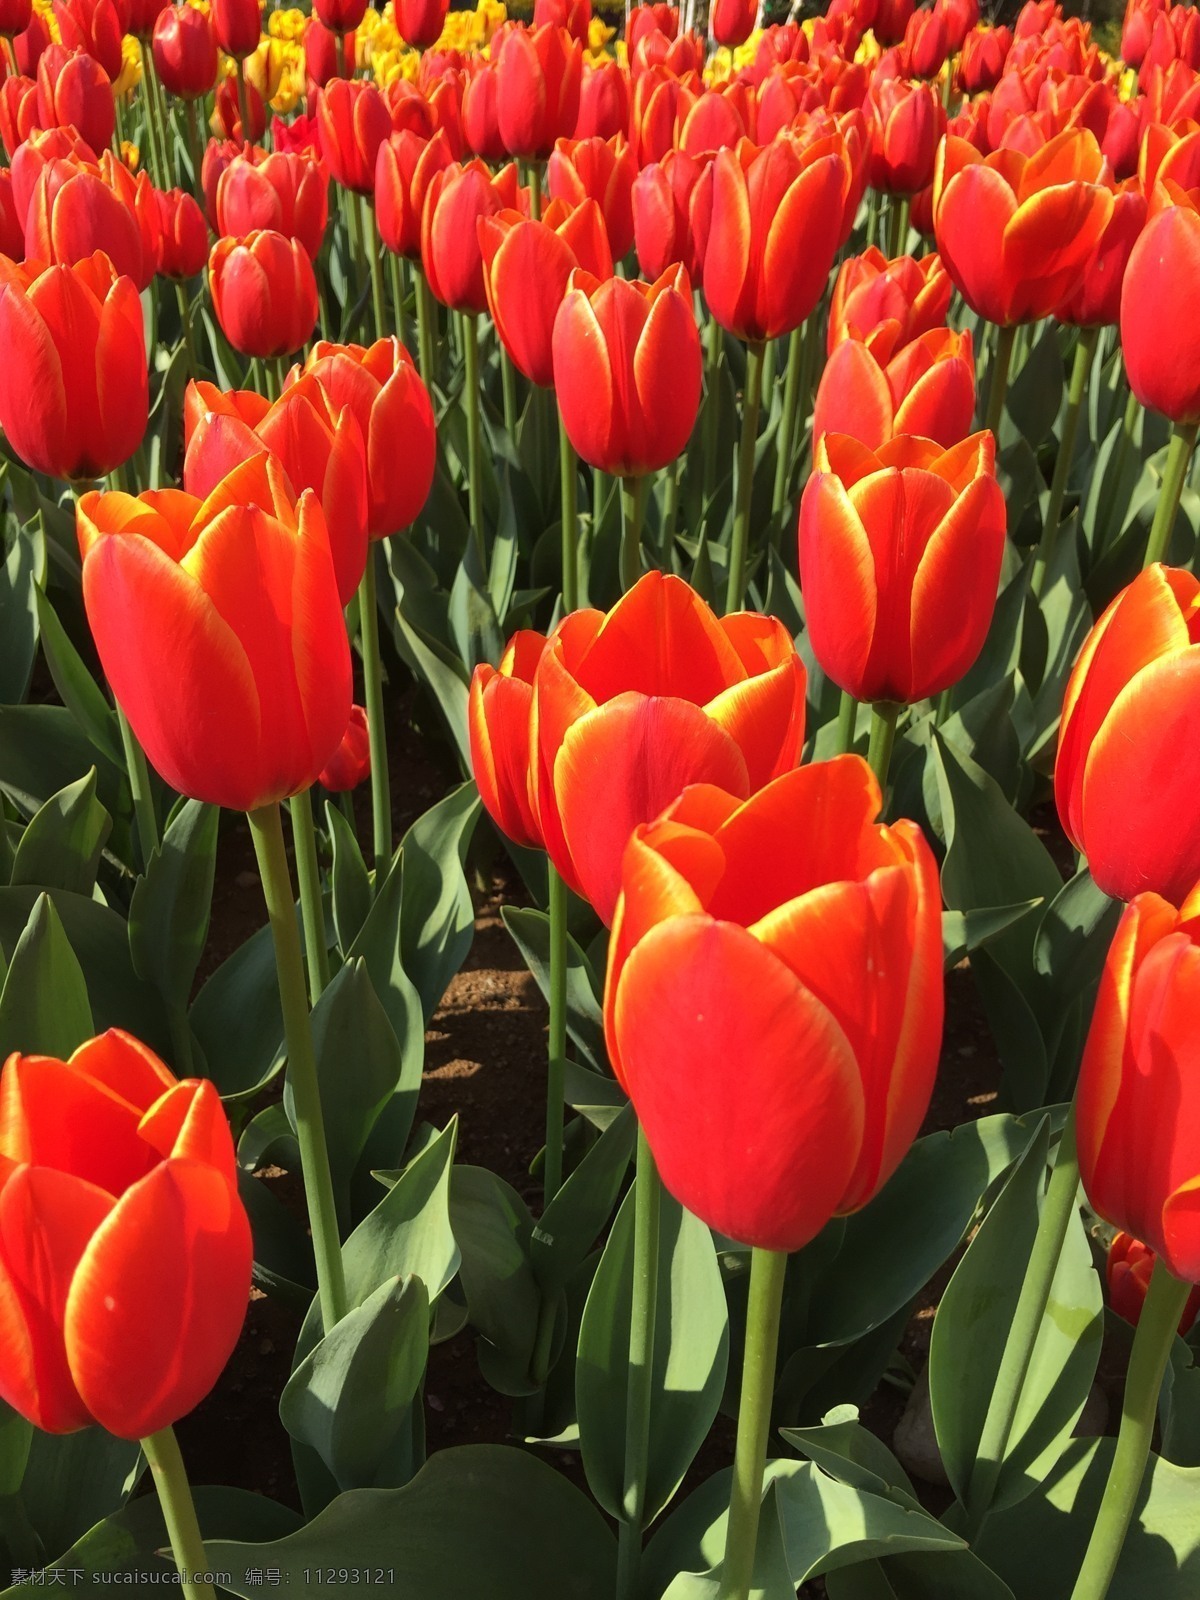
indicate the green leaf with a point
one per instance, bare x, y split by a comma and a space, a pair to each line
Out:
688, 1373
75, 1479
847, 1451
575, 1216
350, 879
60, 849
973, 1322
964, 931
585, 1022
169, 911
437, 666
78, 690
350, 1397
44, 1008
24, 567
238, 1021
437, 919
409, 1230
1074, 935
493, 1229
478, 1520
42, 751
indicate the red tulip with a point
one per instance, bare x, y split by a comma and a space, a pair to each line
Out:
12, 235
891, 20
645, 19
1127, 1270
141, 16
1035, 17
457, 197
481, 114
299, 137
227, 112
907, 125
185, 51
15, 17
1164, 373
237, 26
74, 390
125, 1251
74, 211
776, 221
29, 47
264, 293
573, 15
35, 154
420, 22
219, 154
93, 26
321, 64
404, 170
672, 208
75, 91
720, 116
219, 627
900, 553
774, 998
961, 16
184, 235
888, 303
627, 370
984, 51
350, 763
732, 21
537, 90
1128, 709
286, 193
1094, 300
927, 42
381, 387
655, 695
655, 100
1140, 16
499, 721
319, 448
340, 16
354, 121
604, 171
927, 388
603, 100
18, 113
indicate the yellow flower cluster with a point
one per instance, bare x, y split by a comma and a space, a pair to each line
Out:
723, 63
383, 49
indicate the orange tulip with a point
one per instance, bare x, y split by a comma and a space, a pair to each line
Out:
1015, 231
603, 100
672, 205
1127, 779
19, 115
927, 388
183, 235
12, 238
219, 626
984, 52
77, 209
380, 385
774, 998
655, 695
125, 1251
404, 170
602, 170
499, 718
1164, 373
900, 553
74, 91
1094, 299
537, 90
318, 448
1127, 1271
457, 197
888, 303
74, 389
908, 121
354, 121
264, 292
1138, 1101
284, 192
627, 370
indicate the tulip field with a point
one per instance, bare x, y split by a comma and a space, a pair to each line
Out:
600, 800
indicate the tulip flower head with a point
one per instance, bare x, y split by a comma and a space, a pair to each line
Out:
1164, 373
927, 388
185, 51
284, 192
888, 303
350, 763
264, 292
1127, 1271
602, 170
500, 723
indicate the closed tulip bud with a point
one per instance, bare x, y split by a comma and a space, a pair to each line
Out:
601, 170
219, 626
340, 16
784, 95
984, 51
927, 388
74, 390
907, 125
960, 16
227, 113
15, 17
1094, 300
732, 22
141, 16
218, 155
12, 235
680, 56
793, 933
891, 20
627, 370
29, 47
1014, 231
1127, 1270
888, 303
350, 763
354, 121
720, 116
321, 65
645, 19
404, 170
1138, 1100
672, 209
655, 100
318, 448
237, 25
125, 1250
457, 197
18, 113
73, 90
776, 222
287, 193
184, 235
73, 213
499, 722
409, 109
1129, 707
1035, 17
36, 153
93, 26
527, 265
185, 51
573, 15
264, 293
658, 694
1140, 16
445, 100
481, 114
900, 553
380, 385
537, 92
603, 100
420, 22
1164, 374
926, 43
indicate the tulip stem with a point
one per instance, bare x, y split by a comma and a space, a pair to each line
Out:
787, 425
1054, 1220
424, 331
243, 100
339, 52
633, 503
371, 247
767, 1271
1128, 424
354, 235
1163, 1307
161, 1450
998, 384
267, 831
1085, 352
535, 190
381, 799
1183, 440
304, 837
897, 225
736, 593
157, 162
185, 326
508, 389
556, 1045
884, 716
191, 117
470, 333
647, 1218
714, 349
847, 718
396, 272
568, 473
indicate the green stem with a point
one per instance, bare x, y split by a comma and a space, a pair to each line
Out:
157, 163
767, 1270
339, 53
884, 715
470, 331
267, 831
872, 217
556, 1045
1054, 1220
508, 388
736, 593
304, 837
535, 190
139, 786
568, 474
670, 512
1124, 440
381, 799
647, 1217
787, 426
633, 501
424, 331
998, 384
1085, 352
714, 350
897, 225
243, 100
181, 300
161, 1450
1183, 439
354, 234
396, 271
847, 717
373, 251
190, 122
1161, 1311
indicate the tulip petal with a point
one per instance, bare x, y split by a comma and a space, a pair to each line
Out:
54, 1114
972, 215
660, 638
764, 717
188, 1123
853, 396
837, 576
954, 590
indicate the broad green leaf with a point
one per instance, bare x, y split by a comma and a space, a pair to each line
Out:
409, 1230
585, 1023
350, 879
78, 690
964, 931
60, 849
44, 1008
437, 919
238, 1020
74, 1480
169, 912
493, 1230
438, 667
575, 1216
1074, 935
23, 568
